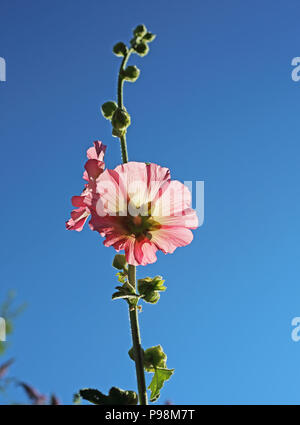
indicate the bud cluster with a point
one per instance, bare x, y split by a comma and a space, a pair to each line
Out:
119, 117
141, 38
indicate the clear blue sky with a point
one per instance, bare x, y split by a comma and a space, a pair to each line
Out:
215, 102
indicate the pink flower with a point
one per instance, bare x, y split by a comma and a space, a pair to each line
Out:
93, 168
138, 208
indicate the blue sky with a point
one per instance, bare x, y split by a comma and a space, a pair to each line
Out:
215, 102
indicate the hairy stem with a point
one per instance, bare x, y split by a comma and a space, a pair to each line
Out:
136, 340
133, 310
121, 105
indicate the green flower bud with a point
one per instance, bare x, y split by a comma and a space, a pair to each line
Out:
119, 262
117, 133
108, 109
131, 73
140, 31
154, 357
149, 288
120, 49
142, 48
120, 119
149, 37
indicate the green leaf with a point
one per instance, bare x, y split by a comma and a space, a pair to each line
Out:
116, 396
125, 291
160, 376
93, 396
120, 295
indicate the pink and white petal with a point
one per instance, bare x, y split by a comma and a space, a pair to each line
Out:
115, 240
149, 253
188, 219
97, 151
78, 219
134, 178
168, 239
129, 252
143, 181
175, 198
112, 193
157, 176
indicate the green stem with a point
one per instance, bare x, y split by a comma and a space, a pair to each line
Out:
133, 310
136, 340
121, 105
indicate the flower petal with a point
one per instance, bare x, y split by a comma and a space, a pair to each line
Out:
168, 239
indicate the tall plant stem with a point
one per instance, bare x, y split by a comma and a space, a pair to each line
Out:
121, 105
133, 310
136, 340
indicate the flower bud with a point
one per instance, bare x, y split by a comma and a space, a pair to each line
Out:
108, 109
120, 119
149, 288
154, 357
120, 49
149, 37
140, 31
142, 48
119, 262
131, 73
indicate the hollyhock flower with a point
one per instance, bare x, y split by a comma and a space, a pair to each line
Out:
138, 208
93, 168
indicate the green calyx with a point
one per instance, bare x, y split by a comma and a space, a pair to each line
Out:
149, 288
108, 109
120, 49
131, 73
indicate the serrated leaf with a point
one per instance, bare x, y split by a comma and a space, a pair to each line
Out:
160, 376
